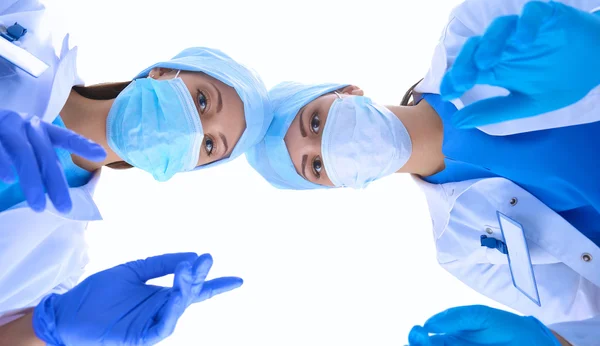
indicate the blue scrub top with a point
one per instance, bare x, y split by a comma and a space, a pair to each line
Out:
11, 194
558, 166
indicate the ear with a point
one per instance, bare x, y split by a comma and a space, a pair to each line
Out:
158, 72
352, 90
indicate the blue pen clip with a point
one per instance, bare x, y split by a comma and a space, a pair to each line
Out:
494, 243
13, 32
17, 55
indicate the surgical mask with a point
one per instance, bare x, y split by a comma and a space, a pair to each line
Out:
154, 125
362, 142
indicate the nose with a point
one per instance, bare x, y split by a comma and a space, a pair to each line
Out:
313, 144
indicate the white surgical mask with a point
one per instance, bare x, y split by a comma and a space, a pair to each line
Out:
362, 142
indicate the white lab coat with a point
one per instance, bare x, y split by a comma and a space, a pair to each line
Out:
569, 287
40, 253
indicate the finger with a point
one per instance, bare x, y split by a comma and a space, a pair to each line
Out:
463, 74
218, 286
157, 266
52, 173
167, 317
418, 336
183, 277
494, 40
458, 319
535, 14
21, 154
183, 282
495, 110
74, 143
201, 267
200, 271
6, 173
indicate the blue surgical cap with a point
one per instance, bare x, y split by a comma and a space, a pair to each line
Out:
248, 85
270, 157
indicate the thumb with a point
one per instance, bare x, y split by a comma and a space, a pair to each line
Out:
494, 110
457, 319
418, 336
463, 74
157, 266
177, 301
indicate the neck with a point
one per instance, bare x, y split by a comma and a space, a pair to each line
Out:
426, 133
87, 117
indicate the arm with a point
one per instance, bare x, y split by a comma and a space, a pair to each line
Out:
72, 318
541, 75
579, 333
556, 306
27, 147
19, 333
469, 21
482, 325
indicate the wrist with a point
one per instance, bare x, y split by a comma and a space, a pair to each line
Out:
20, 332
562, 340
44, 320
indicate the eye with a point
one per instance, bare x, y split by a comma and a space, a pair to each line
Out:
317, 166
202, 101
209, 145
315, 123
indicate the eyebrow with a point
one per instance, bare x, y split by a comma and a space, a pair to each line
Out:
219, 99
224, 140
304, 159
301, 122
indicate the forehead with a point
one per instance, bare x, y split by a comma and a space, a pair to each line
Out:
322, 102
202, 77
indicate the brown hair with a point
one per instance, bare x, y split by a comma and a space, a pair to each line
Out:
104, 91
409, 94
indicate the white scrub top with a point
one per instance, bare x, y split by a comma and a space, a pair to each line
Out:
40, 253
565, 262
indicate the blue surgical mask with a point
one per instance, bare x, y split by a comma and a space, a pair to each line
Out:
154, 125
362, 142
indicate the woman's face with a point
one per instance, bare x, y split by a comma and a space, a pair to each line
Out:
220, 108
303, 138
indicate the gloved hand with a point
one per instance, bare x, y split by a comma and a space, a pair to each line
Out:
548, 58
116, 307
27, 145
481, 325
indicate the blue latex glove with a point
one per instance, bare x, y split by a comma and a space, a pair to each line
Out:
548, 58
116, 307
481, 325
27, 145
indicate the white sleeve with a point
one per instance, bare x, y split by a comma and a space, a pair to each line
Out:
579, 333
571, 299
40, 254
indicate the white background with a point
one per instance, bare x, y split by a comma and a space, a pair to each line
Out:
338, 267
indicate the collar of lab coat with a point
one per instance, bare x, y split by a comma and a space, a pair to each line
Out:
65, 76
441, 199
84, 207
